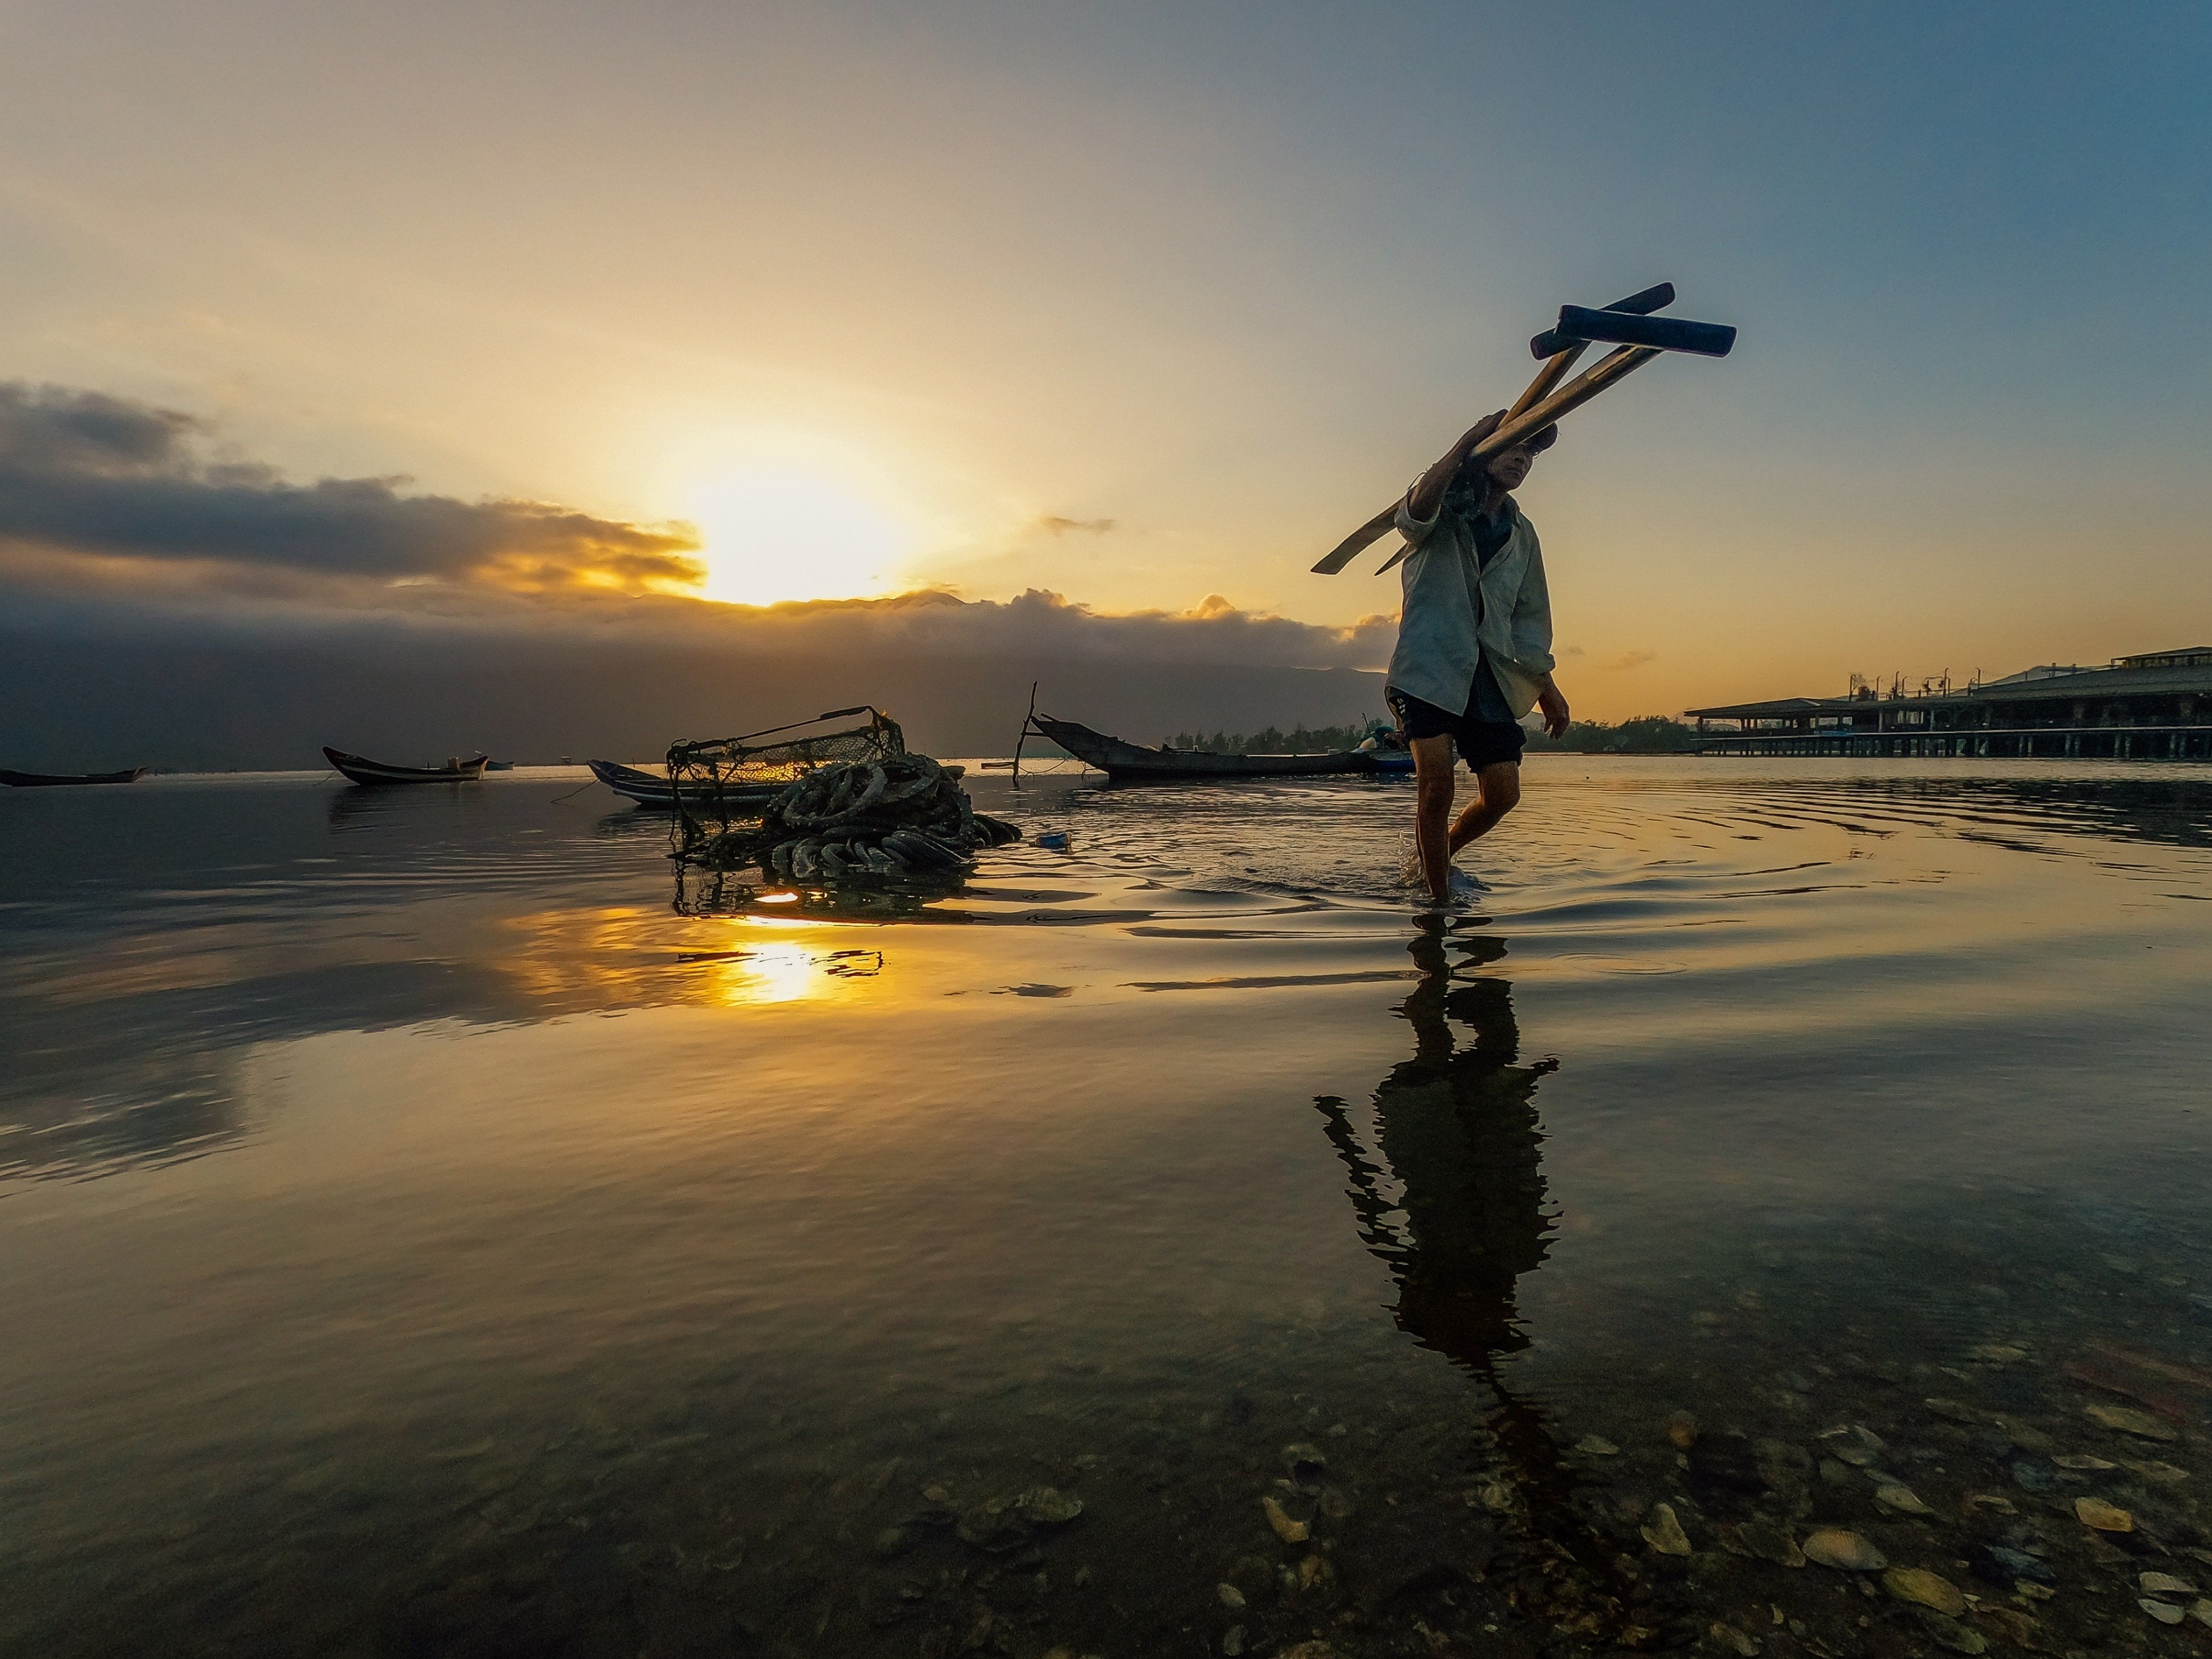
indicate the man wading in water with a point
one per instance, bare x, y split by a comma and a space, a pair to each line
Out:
1474, 641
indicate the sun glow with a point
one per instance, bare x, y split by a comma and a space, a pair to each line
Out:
773, 535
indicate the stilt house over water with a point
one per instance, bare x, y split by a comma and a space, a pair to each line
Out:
2157, 706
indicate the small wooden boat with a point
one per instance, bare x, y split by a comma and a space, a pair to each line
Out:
358, 769
653, 789
55, 780
499, 766
1127, 762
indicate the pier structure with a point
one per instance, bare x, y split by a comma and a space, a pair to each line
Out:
2154, 705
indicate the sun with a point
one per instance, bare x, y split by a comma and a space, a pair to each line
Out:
769, 535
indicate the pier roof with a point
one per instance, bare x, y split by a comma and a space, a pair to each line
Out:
2189, 676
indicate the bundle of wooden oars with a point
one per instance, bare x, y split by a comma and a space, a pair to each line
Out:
899, 818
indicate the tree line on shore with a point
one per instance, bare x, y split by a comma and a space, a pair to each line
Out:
1645, 734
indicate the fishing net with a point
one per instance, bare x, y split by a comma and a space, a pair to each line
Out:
845, 806
718, 781
902, 817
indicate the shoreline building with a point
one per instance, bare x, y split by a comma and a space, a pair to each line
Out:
2155, 706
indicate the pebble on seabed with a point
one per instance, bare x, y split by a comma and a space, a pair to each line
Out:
1854, 1444
1682, 1430
1770, 1542
2105, 1517
1664, 1533
1232, 1597
1846, 1551
2165, 1612
2124, 1420
1290, 1531
2163, 1583
1950, 1633
1596, 1445
1899, 1500
1928, 1589
1730, 1639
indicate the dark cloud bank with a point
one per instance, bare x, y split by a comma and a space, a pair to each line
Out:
159, 606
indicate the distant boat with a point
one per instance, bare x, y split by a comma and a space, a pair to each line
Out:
362, 770
499, 766
1130, 762
55, 780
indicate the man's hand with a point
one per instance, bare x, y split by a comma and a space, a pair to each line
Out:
1427, 494
1554, 708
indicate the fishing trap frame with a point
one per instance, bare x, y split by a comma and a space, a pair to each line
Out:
718, 781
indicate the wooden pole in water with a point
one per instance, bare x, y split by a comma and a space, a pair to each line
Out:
1028, 721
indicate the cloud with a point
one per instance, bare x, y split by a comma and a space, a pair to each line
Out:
1628, 659
1052, 523
90, 478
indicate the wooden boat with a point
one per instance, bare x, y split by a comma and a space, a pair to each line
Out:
1127, 762
358, 769
653, 789
55, 780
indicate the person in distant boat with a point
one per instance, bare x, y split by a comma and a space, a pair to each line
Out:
1474, 641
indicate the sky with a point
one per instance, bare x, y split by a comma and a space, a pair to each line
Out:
642, 318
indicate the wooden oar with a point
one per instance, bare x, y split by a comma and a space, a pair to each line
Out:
1642, 304
1572, 396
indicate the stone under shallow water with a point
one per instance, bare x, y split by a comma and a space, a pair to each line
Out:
1950, 1633
2105, 1517
1928, 1589
2126, 1420
1899, 1500
1999, 1563
1663, 1531
1846, 1551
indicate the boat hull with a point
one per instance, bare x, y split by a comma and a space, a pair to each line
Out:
1130, 762
358, 769
65, 780
651, 789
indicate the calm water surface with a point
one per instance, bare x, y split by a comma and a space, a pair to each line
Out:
427, 1229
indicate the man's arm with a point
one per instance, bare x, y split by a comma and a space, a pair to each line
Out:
1427, 494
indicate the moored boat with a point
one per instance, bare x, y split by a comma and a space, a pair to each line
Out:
358, 769
654, 788
58, 780
1131, 762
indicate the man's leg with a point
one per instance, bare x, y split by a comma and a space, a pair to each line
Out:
1433, 761
1497, 792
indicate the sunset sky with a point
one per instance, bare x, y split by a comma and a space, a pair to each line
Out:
1146, 306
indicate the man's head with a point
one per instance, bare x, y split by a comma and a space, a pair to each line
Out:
1508, 468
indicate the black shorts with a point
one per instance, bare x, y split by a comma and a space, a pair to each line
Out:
1481, 743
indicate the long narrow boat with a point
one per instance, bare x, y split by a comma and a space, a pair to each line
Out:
1130, 762
653, 789
56, 780
358, 769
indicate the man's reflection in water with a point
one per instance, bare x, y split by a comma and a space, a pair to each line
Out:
1456, 1134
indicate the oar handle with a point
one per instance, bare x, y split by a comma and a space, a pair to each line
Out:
1565, 353
1570, 397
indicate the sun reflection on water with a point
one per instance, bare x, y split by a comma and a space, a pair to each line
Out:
766, 974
